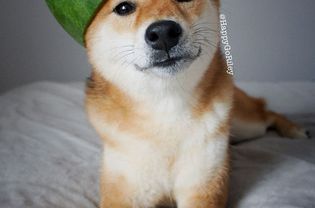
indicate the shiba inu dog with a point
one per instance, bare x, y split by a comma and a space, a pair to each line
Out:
160, 98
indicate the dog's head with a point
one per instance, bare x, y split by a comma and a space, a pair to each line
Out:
157, 37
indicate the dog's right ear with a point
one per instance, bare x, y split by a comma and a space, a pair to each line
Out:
217, 2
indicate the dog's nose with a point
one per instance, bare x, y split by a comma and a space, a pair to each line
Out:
163, 35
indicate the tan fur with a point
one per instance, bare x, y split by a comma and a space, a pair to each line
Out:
112, 194
129, 126
161, 9
252, 110
215, 85
106, 101
150, 9
248, 108
213, 193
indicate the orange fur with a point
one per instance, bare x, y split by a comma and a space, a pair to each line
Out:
108, 104
215, 85
215, 192
105, 101
163, 9
148, 9
248, 108
113, 195
254, 110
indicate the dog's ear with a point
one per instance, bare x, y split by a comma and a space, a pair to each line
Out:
217, 2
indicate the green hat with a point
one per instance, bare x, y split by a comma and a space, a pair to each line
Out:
74, 15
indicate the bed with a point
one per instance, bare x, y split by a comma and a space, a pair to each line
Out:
50, 155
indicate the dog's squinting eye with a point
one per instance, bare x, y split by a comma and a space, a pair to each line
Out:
125, 8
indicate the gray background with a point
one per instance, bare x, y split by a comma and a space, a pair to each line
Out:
271, 41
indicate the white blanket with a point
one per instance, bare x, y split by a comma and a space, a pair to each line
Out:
50, 155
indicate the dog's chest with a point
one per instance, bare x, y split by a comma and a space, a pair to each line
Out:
179, 142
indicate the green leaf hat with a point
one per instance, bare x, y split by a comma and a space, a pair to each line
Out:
74, 15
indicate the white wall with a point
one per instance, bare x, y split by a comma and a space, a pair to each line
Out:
271, 40
34, 47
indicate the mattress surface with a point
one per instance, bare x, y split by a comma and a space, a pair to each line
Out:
50, 155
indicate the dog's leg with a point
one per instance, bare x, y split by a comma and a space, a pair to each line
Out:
251, 119
115, 191
211, 194
203, 182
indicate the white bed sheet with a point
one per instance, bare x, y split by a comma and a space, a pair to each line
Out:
50, 155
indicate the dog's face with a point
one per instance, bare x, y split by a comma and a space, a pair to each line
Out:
159, 37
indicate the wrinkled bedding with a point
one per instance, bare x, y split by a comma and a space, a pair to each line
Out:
50, 155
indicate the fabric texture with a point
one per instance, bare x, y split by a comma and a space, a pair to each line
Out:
50, 155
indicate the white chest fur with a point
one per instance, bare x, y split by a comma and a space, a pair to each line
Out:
186, 152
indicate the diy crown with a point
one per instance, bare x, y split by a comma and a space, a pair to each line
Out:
74, 15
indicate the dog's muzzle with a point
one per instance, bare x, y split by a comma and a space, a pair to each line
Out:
168, 47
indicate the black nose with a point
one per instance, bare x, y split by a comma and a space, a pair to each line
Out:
163, 35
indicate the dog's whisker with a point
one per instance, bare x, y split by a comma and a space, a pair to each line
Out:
121, 55
121, 47
203, 23
121, 52
206, 28
204, 33
204, 47
202, 36
127, 62
204, 41
124, 58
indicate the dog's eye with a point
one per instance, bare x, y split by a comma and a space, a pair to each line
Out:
125, 8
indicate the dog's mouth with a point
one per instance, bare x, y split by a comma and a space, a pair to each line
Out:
172, 63
168, 62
